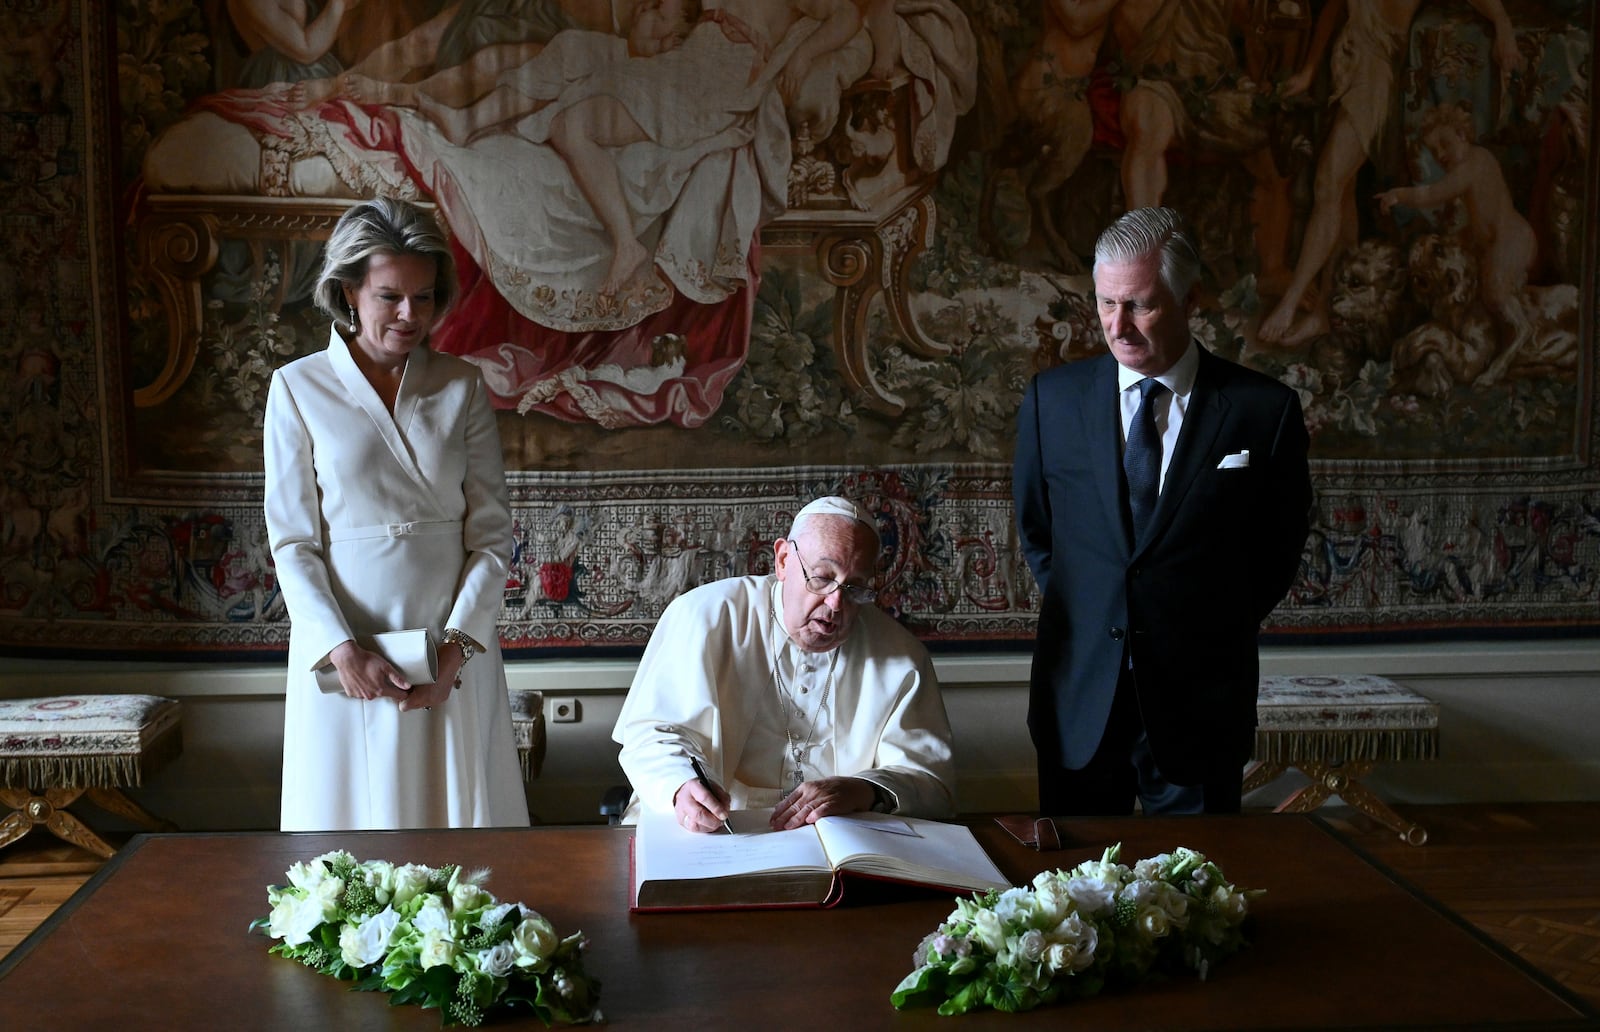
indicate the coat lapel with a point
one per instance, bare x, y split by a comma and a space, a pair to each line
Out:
387, 426
1102, 429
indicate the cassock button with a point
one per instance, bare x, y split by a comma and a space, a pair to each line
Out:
1116, 633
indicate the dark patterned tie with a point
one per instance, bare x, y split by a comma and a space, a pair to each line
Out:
1141, 459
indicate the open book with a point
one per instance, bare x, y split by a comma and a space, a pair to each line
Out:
676, 869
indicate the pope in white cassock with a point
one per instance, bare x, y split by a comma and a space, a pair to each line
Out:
792, 690
386, 510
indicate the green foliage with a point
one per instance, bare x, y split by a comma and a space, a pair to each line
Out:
965, 400
789, 388
955, 261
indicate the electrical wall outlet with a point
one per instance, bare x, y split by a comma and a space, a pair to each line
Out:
564, 709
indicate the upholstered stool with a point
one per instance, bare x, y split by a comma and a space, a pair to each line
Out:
52, 751
1333, 728
527, 725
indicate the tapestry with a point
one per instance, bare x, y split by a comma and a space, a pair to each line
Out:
822, 251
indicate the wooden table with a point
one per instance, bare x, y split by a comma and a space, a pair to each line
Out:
158, 939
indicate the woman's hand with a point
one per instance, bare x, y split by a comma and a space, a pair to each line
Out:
427, 696
366, 675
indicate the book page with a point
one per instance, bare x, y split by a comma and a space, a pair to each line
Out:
940, 854
664, 850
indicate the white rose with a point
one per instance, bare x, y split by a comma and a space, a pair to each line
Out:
496, 961
1153, 922
534, 940
1058, 957
436, 948
1051, 901
1031, 945
432, 917
468, 896
365, 940
1086, 947
1176, 904
409, 879
1081, 935
295, 918
986, 928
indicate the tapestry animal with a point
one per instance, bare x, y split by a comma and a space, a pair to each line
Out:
1461, 342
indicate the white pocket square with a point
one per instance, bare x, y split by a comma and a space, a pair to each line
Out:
1238, 460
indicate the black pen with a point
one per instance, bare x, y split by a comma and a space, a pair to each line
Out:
705, 783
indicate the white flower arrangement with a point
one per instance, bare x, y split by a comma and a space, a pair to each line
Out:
431, 936
1074, 933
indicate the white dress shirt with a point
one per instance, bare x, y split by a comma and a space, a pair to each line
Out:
1170, 407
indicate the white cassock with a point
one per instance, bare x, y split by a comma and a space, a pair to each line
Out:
708, 687
383, 523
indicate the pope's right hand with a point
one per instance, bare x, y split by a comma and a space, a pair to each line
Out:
699, 808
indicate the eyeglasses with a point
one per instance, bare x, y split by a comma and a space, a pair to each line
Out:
860, 594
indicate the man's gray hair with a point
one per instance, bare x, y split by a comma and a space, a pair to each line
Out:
383, 225
1143, 231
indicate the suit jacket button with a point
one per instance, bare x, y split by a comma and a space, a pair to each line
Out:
1116, 634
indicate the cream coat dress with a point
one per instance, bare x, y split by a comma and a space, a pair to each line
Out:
382, 523
707, 687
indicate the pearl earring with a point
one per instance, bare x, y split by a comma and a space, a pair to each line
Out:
354, 323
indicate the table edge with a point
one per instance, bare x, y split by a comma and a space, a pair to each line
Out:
1586, 1011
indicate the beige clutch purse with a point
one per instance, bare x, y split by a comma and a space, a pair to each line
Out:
414, 653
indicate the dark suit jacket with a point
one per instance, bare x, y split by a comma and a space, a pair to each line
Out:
1221, 550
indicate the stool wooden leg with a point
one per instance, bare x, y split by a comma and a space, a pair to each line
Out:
49, 808
67, 827
14, 826
1344, 781
1368, 802
1313, 795
114, 800
1261, 773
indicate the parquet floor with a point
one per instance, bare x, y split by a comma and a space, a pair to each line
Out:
38, 874
1527, 875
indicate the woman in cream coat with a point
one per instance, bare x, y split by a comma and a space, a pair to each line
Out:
386, 510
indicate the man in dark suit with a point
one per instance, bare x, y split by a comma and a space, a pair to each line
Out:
1161, 533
